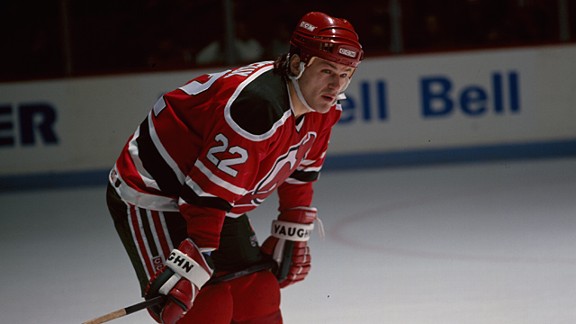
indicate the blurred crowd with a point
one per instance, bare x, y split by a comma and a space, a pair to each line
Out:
63, 38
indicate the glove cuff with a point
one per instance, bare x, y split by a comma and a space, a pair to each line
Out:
187, 262
188, 268
302, 215
291, 231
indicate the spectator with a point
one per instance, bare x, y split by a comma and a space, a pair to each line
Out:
245, 49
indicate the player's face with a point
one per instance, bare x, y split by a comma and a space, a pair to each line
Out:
322, 82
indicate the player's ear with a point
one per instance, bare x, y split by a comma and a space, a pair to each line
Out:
294, 64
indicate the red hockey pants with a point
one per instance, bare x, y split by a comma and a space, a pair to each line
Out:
252, 299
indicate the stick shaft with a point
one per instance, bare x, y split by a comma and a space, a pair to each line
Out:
269, 264
286, 260
108, 317
128, 310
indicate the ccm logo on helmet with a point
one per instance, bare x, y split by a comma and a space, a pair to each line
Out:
307, 26
347, 52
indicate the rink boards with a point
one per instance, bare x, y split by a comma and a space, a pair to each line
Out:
399, 110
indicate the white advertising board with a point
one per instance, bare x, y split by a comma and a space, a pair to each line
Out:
462, 99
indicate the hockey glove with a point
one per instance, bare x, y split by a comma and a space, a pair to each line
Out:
186, 270
288, 244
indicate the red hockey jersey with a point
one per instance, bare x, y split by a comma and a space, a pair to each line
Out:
219, 146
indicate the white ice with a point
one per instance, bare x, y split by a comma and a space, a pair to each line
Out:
482, 243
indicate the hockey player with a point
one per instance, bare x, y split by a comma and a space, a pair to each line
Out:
213, 150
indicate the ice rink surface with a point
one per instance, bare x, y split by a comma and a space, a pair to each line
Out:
490, 243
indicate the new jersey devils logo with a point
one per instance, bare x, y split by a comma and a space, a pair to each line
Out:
285, 165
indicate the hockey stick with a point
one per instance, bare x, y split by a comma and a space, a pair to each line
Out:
286, 260
126, 311
267, 265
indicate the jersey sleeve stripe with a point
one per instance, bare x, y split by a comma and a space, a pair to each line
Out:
219, 181
154, 161
142, 199
295, 182
307, 162
193, 193
190, 197
144, 175
196, 188
305, 176
167, 158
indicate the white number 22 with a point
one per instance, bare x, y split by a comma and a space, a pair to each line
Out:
226, 164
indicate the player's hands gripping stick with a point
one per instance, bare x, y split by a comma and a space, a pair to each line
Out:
288, 244
186, 270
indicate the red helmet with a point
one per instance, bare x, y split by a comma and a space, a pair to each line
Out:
332, 39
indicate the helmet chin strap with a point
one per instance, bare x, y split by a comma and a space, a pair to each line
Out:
296, 85
344, 88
